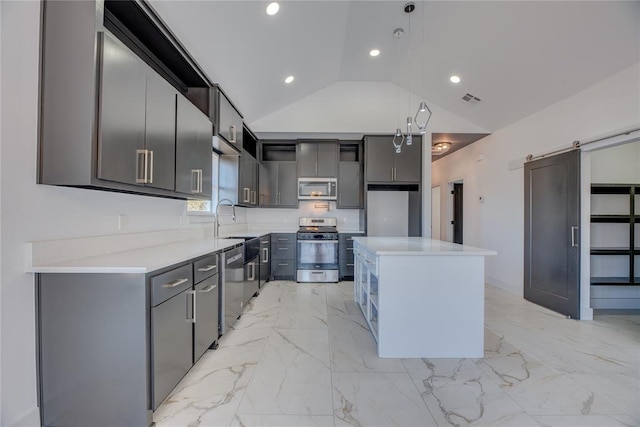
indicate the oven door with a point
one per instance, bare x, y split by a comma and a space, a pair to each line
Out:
317, 255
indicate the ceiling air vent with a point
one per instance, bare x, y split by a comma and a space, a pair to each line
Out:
471, 98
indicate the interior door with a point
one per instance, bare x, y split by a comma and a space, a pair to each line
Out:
552, 217
457, 212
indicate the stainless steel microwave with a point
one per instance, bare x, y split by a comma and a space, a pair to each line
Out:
317, 188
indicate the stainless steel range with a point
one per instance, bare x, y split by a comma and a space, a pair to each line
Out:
317, 254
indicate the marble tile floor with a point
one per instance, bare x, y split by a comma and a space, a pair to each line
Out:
301, 355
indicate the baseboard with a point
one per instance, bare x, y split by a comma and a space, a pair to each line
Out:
509, 287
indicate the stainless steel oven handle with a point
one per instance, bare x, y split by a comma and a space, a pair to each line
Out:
317, 241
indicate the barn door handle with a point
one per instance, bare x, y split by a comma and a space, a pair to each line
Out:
574, 240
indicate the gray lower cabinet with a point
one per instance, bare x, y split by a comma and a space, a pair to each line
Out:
207, 299
193, 151
278, 184
252, 279
283, 256
383, 164
345, 252
265, 259
111, 347
317, 159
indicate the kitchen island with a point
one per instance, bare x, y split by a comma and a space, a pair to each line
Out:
421, 297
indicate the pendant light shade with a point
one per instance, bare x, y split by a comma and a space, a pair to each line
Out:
423, 115
409, 132
398, 139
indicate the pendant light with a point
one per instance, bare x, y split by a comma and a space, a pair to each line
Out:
398, 137
423, 115
408, 8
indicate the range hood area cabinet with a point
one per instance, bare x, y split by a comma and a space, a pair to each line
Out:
107, 119
317, 159
384, 165
350, 174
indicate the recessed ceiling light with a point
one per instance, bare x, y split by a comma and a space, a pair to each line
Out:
454, 79
273, 8
289, 79
374, 52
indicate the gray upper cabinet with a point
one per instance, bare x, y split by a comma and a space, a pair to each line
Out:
229, 121
248, 180
278, 184
160, 140
136, 137
350, 192
121, 134
193, 151
350, 176
383, 164
318, 159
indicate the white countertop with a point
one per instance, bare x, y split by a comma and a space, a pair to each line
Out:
418, 246
143, 260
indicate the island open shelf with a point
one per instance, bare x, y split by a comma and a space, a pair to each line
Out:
421, 297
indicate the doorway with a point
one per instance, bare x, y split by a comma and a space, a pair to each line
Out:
552, 218
457, 221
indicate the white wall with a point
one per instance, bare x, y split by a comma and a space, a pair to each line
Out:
620, 164
39, 212
498, 222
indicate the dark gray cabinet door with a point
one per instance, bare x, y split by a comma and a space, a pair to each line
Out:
193, 150
160, 131
245, 178
350, 191
205, 330
229, 122
383, 164
407, 163
268, 184
379, 161
172, 344
327, 159
287, 185
122, 114
307, 159
317, 159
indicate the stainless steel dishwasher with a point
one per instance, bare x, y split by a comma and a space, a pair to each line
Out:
232, 287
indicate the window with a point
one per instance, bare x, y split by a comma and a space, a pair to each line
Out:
205, 206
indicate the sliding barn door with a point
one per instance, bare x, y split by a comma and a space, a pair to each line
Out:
552, 217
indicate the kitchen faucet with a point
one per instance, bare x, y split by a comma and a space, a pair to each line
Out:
233, 215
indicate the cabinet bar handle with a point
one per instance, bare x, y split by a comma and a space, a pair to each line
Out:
283, 239
245, 194
207, 268
391, 174
283, 265
208, 289
196, 180
349, 265
350, 249
193, 304
141, 166
574, 243
175, 283
253, 197
232, 134
150, 160
283, 249
265, 252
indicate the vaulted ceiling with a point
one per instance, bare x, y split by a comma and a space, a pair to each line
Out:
515, 56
